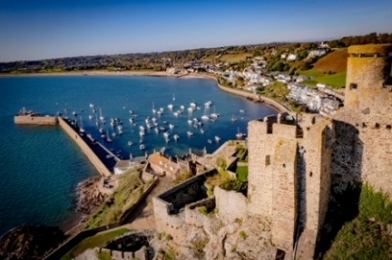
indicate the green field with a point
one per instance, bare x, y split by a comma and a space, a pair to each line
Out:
337, 80
94, 241
234, 57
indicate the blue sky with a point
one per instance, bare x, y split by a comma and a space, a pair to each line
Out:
42, 29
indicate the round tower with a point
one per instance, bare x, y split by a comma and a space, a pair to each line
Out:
368, 70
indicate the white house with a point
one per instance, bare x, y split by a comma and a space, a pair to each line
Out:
317, 52
292, 56
123, 165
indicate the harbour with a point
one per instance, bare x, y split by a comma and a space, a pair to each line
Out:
138, 99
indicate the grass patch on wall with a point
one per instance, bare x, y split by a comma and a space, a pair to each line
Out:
94, 241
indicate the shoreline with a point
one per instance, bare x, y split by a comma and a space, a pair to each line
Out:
264, 100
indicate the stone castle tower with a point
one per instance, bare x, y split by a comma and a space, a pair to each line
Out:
289, 179
363, 150
293, 163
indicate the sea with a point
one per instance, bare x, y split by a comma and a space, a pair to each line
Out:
40, 166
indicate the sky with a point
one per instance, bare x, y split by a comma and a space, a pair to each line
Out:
44, 29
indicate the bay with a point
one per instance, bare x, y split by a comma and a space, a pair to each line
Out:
41, 166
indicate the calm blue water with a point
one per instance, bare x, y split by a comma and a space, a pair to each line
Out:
40, 166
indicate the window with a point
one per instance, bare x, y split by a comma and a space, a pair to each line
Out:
353, 86
267, 160
310, 174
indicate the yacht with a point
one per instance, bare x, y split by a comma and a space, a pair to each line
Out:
170, 106
239, 135
193, 104
101, 117
108, 137
153, 109
208, 103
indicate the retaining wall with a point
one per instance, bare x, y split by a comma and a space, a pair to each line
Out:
35, 120
101, 168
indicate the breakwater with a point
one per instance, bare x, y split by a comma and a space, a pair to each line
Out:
35, 120
79, 140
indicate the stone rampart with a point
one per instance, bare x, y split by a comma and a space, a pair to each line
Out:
232, 206
101, 168
35, 120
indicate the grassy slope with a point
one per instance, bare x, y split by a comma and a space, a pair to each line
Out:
337, 80
94, 241
366, 236
335, 62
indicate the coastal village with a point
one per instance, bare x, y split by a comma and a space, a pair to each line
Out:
233, 203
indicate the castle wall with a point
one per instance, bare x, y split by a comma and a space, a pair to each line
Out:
316, 150
368, 108
101, 168
35, 120
232, 205
172, 224
259, 176
272, 179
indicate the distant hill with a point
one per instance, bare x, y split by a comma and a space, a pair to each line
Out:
334, 62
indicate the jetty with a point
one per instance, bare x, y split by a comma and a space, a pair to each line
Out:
29, 117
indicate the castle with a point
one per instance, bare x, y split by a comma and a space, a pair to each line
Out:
294, 160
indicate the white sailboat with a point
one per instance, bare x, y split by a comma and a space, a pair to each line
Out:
81, 129
108, 139
214, 115
153, 108
174, 98
102, 118
239, 135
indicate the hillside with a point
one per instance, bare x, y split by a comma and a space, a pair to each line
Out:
334, 62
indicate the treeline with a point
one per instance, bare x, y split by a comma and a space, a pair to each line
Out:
361, 39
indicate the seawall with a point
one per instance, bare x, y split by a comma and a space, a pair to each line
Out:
35, 120
101, 168
269, 102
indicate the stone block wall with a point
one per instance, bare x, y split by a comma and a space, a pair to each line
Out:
232, 206
368, 110
35, 120
98, 164
316, 150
